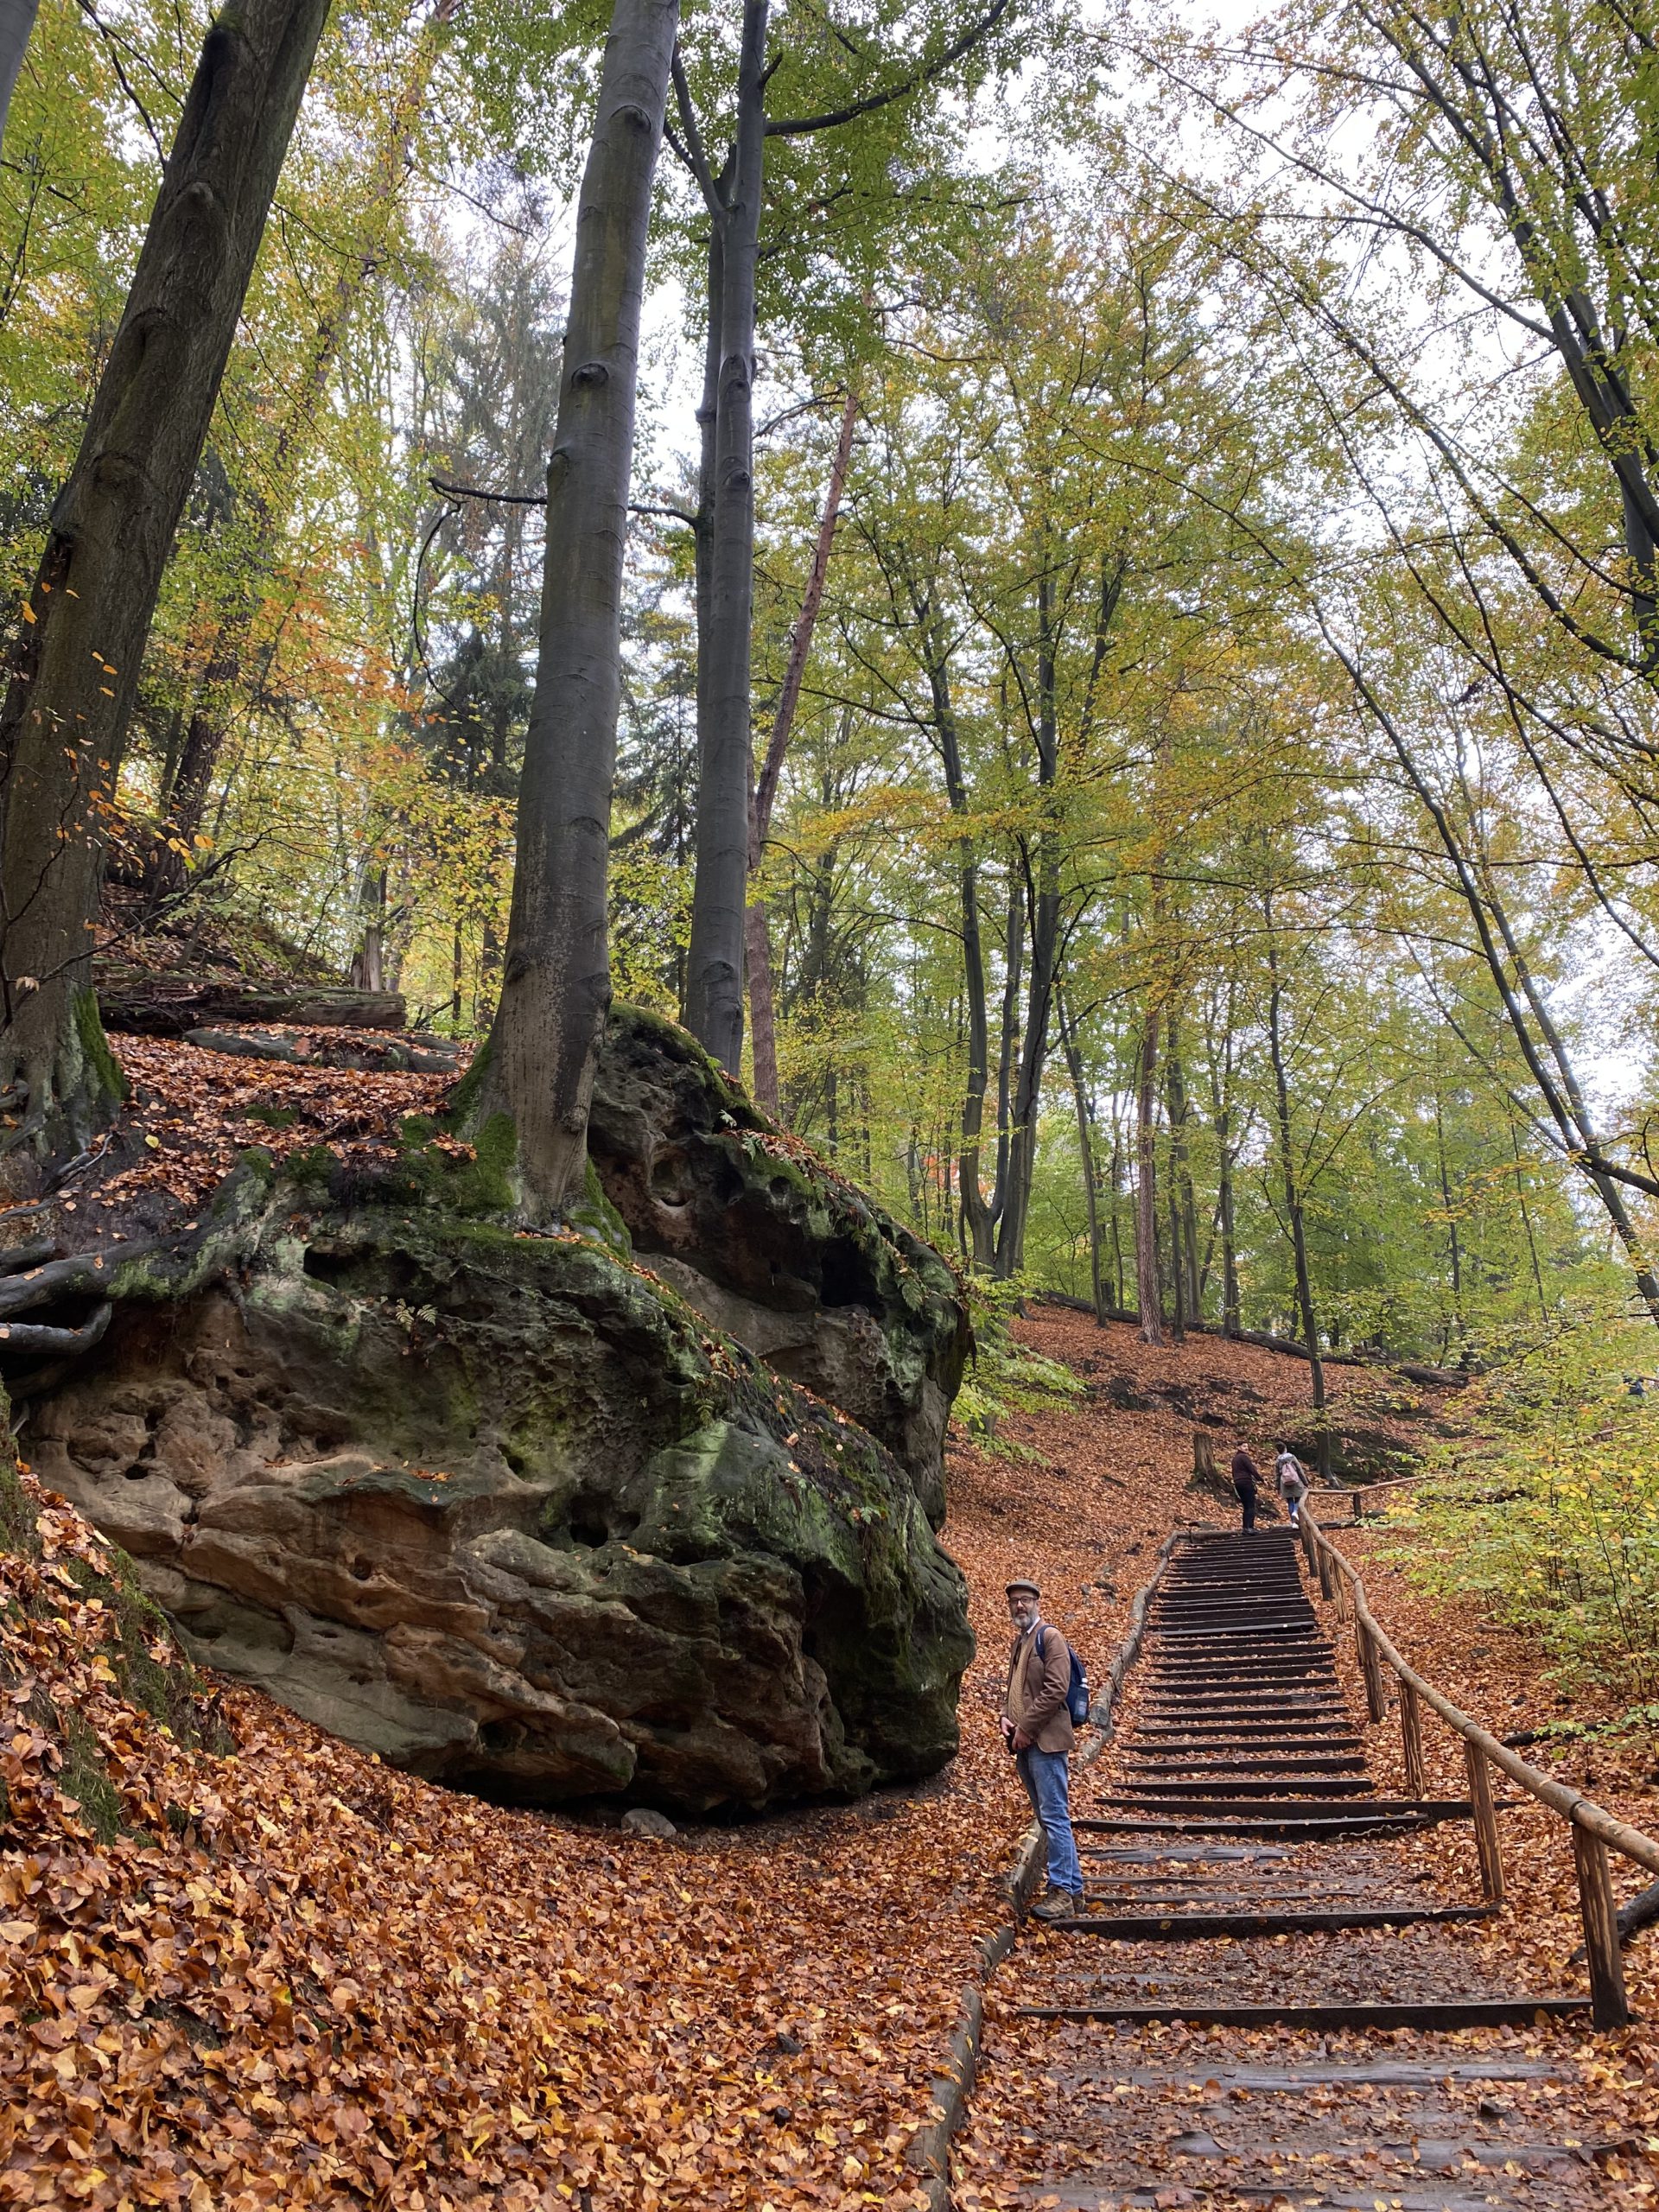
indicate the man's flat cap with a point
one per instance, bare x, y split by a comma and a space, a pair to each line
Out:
1009, 1588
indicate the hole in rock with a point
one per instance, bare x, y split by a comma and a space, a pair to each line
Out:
846, 1278
362, 1569
670, 1184
137, 1471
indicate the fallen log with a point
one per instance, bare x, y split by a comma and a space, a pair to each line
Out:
378, 1055
1447, 1377
166, 1005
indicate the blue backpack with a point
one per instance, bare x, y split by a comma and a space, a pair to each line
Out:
1076, 1690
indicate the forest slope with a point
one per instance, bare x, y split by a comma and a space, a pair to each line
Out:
317, 1980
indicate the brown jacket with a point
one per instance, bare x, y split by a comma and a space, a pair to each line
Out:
1037, 1687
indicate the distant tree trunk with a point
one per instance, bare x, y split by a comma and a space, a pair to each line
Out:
368, 967
1180, 1168
1045, 890
1014, 957
763, 1032
1221, 1112
188, 780
1293, 1195
555, 984
1148, 1290
16, 24
714, 994
1177, 1270
1526, 1221
977, 1225
1453, 1239
1230, 1324
64, 720
1117, 1186
1086, 1148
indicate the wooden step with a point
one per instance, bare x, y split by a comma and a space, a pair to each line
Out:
1451, 2012
1227, 1759
1193, 1926
1214, 1787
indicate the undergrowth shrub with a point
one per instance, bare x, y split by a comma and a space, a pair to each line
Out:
1552, 1520
1006, 1377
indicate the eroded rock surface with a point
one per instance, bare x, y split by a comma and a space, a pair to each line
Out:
504, 1511
801, 1267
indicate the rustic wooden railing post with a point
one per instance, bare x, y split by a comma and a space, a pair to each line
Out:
1326, 1578
1411, 1738
1486, 1843
1609, 2006
1371, 1667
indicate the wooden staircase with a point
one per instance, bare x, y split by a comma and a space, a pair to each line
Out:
1243, 1873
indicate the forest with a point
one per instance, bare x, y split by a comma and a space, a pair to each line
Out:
1129, 653
703, 704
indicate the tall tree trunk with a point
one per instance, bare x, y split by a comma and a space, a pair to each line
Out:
936, 660
1045, 954
1118, 1300
1453, 1239
64, 720
185, 790
1147, 1291
1220, 1056
1230, 1324
1014, 958
763, 1032
714, 996
368, 967
1293, 1195
16, 25
1180, 1164
555, 984
1086, 1148
1177, 1257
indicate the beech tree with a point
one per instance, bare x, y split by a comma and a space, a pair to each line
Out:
87, 618
538, 1066
869, 78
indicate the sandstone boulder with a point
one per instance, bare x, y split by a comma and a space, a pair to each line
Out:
773, 1248
505, 1510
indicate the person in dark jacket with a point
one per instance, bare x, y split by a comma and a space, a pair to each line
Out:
1245, 1479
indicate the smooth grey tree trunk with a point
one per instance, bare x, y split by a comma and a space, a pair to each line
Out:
1086, 1149
87, 618
714, 991
763, 1040
1293, 1193
16, 26
555, 985
976, 1221
1148, 1293
1044, 958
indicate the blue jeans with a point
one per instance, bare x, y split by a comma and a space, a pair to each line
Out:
1044, 1774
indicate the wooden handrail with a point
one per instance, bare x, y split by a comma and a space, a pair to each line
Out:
1595, 1831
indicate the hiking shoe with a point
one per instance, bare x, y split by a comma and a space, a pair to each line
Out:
1056, 1905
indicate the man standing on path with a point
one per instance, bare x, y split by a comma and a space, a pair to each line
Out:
1244, 1481
1037, 1728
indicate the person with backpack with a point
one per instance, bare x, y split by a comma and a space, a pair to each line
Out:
1047, 1699
1245, 1478
1291, 1479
